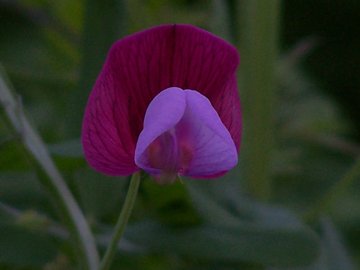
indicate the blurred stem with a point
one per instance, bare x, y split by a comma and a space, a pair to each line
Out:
232, 11
225, 22
51, 178
122, 221
259, 52
104, 22
335, 192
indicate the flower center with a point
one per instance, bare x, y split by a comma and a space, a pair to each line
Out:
170, 155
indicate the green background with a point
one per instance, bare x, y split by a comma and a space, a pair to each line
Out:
303, 215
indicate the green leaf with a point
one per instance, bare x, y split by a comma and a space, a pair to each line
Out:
209, 208
237, 244
104, 22
100, 195
12, 157
333, 253
260, 233
21, 189
168, 203
21, 247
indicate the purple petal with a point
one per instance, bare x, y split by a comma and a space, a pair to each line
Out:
162, 115
214, 151
106, 138
207, 64
183, 134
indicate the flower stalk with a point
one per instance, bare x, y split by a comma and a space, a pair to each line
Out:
122, 221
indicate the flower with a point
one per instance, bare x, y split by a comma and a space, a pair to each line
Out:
166, 101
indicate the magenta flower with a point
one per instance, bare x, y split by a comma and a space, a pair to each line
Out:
166, 102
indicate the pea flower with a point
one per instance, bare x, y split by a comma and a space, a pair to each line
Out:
166, 102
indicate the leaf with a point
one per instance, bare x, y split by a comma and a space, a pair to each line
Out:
104, 23
256, 232
242, 243
12, 157
333, 253
21, 189
21, 247
100, 195
209, 208
169, 203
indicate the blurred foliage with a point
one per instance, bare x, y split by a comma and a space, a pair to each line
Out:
195, 225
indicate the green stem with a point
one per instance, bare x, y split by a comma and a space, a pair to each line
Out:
225, 19
52, 179
259, 50
232, 12
335, 192
122, 221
